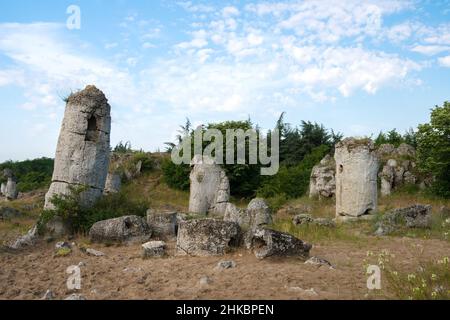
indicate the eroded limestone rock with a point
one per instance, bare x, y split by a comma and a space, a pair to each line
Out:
153, 249
163, 224
113, 183
206, 237
267, 243
82, 153
322, 182
416, 216
210, 188
128, 229
356, 177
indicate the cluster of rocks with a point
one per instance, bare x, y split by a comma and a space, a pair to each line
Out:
416, 216
8, 189
399, 167
396, 167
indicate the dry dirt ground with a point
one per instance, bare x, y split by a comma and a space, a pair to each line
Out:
123, 274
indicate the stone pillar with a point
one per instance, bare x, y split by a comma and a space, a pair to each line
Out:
356, 177
82, 154
113, 183
209, 186
3, 189
387, 176
11, 192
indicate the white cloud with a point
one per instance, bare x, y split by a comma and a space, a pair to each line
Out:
230, 11
445, 61
430, 50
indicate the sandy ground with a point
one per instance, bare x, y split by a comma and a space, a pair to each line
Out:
123, 274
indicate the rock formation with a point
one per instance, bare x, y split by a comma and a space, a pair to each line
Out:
210, 188
356, 177
268, 243
322, 182
153, 249
128, 229
163, 224
416, 216
82, 153
9, 189
3, 189
113, 183
206, 237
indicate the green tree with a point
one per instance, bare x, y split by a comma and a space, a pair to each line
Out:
433, 149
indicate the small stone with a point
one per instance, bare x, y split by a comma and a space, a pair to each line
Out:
75, 296
319, 262
153, 249
204, 281
225, 264
302, 219
48, 295
324, 222
62, 245
93, 252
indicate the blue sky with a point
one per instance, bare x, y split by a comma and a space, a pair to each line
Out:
356, 66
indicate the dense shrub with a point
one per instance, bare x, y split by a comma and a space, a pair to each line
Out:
176, 176
293, 181
30, 174
396, 139
81, 219
433, 149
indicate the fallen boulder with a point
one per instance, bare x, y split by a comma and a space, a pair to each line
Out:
26, 240
206, 237
268, 243
127, 229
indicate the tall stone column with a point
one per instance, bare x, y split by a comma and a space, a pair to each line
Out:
356, 177
82, 153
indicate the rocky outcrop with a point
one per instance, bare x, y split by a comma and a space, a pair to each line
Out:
113, 183
82, 153
210, 188
163, 224
26, 240
268, 243
322, 182
128, 229
416, 216
206, 237
9, 188
356, 177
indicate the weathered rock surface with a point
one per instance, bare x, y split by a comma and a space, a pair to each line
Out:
210, 188
308, 219
405, 150
75, 296
163, 224
225, 264
82, 153
267, 243
128, 229
11, 191
416, 216
26, 240
95, 253
356, 177
206, 237
322, 182
113, 183
3, 189
153, 249
319, 262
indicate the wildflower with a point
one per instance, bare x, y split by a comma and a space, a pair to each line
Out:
433, 277
411, 277
434, 294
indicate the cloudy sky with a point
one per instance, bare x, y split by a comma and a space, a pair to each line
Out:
355, 66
